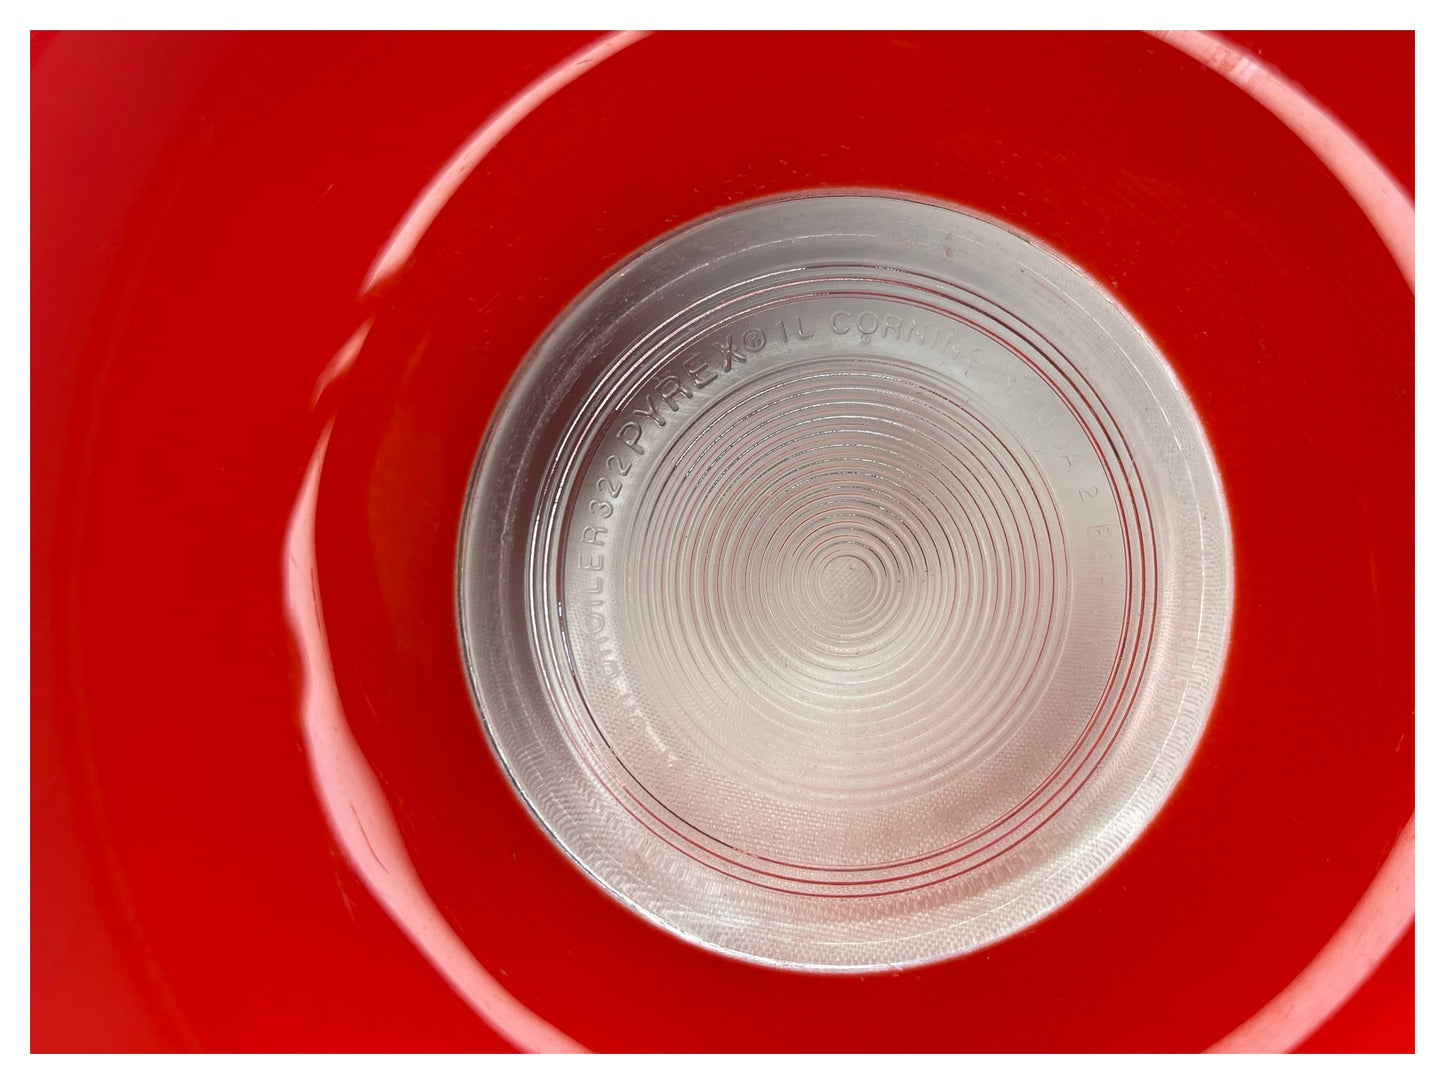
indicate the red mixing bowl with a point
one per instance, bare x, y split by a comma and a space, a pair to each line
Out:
279, 281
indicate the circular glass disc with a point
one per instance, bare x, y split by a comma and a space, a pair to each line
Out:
845, 581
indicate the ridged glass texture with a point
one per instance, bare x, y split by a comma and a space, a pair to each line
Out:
845, 582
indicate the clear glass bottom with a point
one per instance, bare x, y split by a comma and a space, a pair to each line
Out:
845, 582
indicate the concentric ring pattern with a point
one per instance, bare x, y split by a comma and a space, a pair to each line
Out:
847, 589
844, 589
869, 593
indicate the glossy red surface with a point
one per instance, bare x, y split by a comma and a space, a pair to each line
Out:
205, 211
